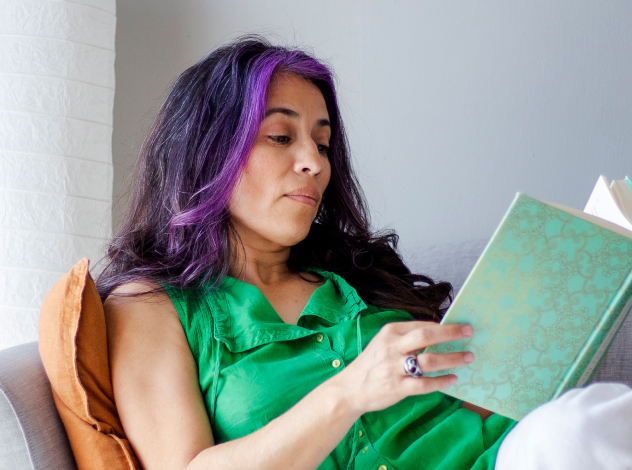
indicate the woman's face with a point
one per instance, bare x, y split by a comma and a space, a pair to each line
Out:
278, 194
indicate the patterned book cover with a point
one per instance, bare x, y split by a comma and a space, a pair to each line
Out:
545, 299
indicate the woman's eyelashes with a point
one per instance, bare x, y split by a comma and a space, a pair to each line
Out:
284, 140
279, 139
323, 149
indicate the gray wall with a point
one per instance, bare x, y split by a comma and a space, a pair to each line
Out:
451, 106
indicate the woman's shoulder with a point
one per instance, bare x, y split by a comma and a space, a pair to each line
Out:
151, 313
135, 289
136, 296
141, 308
149, 297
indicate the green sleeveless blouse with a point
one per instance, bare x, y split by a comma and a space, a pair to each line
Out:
253, 367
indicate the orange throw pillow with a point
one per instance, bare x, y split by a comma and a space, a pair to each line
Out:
73, 347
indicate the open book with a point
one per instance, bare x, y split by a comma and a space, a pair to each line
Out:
612, 202
545, 298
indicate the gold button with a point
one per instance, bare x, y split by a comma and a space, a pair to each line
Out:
320, 337
364, 450
360, 434
336, 363
382, 467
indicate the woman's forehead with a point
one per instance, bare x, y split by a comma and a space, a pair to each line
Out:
287, 85
290, 94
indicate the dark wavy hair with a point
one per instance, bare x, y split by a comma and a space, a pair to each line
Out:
177, 231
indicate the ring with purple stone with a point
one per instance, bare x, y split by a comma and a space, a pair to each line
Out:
411, 367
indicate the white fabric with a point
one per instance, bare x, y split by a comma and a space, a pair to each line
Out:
586, 428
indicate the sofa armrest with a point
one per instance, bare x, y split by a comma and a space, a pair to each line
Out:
31, 434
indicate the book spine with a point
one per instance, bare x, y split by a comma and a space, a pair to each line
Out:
595, 362
589, 357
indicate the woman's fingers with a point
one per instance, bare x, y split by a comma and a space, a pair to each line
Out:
424, 385
423, 334
432, 362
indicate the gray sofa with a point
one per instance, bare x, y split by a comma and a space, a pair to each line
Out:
32, 436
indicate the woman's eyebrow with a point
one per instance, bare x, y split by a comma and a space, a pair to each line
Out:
293, 114
285, 111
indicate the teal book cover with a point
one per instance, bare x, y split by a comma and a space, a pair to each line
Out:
545, 299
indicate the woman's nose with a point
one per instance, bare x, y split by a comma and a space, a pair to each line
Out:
308, 159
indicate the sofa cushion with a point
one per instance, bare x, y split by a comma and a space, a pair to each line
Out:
73, 347
450, 262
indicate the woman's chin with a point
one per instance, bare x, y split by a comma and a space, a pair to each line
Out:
293, 235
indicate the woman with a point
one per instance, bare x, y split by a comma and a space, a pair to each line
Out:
253, 319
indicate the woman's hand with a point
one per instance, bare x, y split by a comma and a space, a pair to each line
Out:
376, 379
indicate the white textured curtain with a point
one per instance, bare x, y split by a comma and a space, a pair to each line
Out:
56, 99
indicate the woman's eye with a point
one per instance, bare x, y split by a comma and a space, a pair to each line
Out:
279, 139
323, 149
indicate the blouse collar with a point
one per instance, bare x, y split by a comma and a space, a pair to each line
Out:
243, 317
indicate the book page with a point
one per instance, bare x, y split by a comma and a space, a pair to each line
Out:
623, 193
604, 205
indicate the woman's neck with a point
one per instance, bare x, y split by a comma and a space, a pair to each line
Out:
258, 266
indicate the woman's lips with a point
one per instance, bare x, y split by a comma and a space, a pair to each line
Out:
307, 195
304, 199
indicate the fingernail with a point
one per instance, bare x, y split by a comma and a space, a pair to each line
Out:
468, 357
467, 330
454, 379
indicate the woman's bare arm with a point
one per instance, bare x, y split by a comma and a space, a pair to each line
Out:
155, 382
158, 397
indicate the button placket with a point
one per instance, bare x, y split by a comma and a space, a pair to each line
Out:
362, 438
365, 456
362, 432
